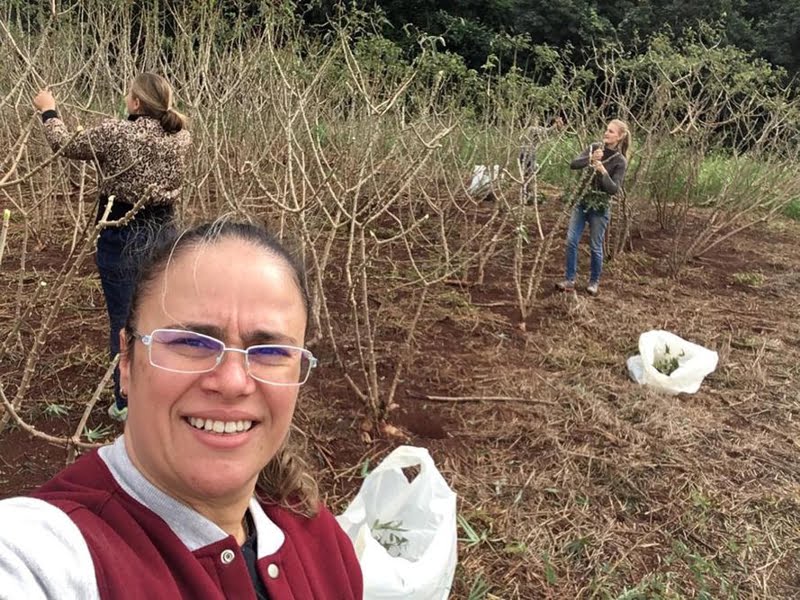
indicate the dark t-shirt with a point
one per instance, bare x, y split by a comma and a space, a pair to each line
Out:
250, 552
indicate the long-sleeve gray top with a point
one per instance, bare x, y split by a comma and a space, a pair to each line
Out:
615, 163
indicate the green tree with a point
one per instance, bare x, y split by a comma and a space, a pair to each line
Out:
471, 28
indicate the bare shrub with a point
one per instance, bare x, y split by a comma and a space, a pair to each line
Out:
362, 155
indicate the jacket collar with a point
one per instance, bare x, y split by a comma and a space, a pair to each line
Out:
194, 530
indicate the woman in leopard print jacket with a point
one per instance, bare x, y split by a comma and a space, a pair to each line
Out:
141, 158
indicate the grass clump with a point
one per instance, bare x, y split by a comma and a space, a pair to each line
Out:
751, 279
792, 210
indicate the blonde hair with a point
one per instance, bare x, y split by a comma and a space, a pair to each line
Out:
155, 97
625, 141
287, 481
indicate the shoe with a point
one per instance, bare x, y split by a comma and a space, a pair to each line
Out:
593, 288
566, 285
118, 414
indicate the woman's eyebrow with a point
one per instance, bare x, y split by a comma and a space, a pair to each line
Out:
250, 338
204, 328
263, 336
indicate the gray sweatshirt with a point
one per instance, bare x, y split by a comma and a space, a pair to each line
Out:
615, 163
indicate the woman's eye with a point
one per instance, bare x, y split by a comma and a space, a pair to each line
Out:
270, 352
192, 342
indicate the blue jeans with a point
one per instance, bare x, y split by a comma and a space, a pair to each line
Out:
117, 275
598, 221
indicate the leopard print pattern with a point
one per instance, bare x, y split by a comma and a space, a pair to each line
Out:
134, 158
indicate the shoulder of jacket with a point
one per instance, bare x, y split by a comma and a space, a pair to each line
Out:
107, 126
110, 122
43, 553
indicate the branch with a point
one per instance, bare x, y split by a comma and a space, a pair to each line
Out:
40, 434
481, 399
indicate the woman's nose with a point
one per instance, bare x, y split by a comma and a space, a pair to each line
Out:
231, 377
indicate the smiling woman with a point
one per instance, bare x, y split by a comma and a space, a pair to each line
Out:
201, 497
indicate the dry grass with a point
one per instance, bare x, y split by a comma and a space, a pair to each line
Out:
589, 486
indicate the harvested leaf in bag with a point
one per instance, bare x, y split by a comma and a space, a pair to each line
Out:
671, 364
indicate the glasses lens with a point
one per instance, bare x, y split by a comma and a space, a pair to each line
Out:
184, 351
284, 365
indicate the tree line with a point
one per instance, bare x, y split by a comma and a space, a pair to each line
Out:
478, 29
509, 31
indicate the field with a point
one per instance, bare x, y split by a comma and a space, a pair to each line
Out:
433, 309
575, 481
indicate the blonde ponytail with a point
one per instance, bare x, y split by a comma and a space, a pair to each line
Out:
172, 121
155, 100
625, 141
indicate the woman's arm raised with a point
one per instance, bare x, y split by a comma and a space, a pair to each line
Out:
87, 144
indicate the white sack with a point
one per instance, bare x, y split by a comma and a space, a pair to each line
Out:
411, 554
483, 179
694, 362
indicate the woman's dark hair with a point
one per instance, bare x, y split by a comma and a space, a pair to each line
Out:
286, 479
155, 99
168, 244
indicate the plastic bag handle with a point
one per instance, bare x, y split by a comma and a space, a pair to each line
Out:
406, 456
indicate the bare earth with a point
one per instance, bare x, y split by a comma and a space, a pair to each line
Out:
577, 482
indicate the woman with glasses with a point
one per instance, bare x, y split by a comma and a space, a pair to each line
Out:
202, 496
141, 158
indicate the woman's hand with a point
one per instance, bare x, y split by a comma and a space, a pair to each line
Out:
44, 101
597, 161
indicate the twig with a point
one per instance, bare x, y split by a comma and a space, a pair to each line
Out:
4, 232
406, 354
40, 434
76, 437
480, 399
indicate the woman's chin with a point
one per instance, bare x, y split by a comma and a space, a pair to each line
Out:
221, 482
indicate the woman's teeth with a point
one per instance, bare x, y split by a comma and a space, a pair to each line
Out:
220, 426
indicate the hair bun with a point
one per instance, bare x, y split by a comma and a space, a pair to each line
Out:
171, 121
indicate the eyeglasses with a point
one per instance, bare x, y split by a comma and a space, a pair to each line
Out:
182, 351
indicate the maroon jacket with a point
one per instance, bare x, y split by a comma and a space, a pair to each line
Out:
137, 554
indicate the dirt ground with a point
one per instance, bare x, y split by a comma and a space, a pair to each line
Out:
575, 481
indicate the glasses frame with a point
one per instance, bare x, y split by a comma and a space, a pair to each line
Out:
148, 341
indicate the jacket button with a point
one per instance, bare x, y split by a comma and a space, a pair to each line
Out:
227, 556
272, 571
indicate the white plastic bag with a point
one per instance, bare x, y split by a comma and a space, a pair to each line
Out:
482, 181
660, 348
404, 533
